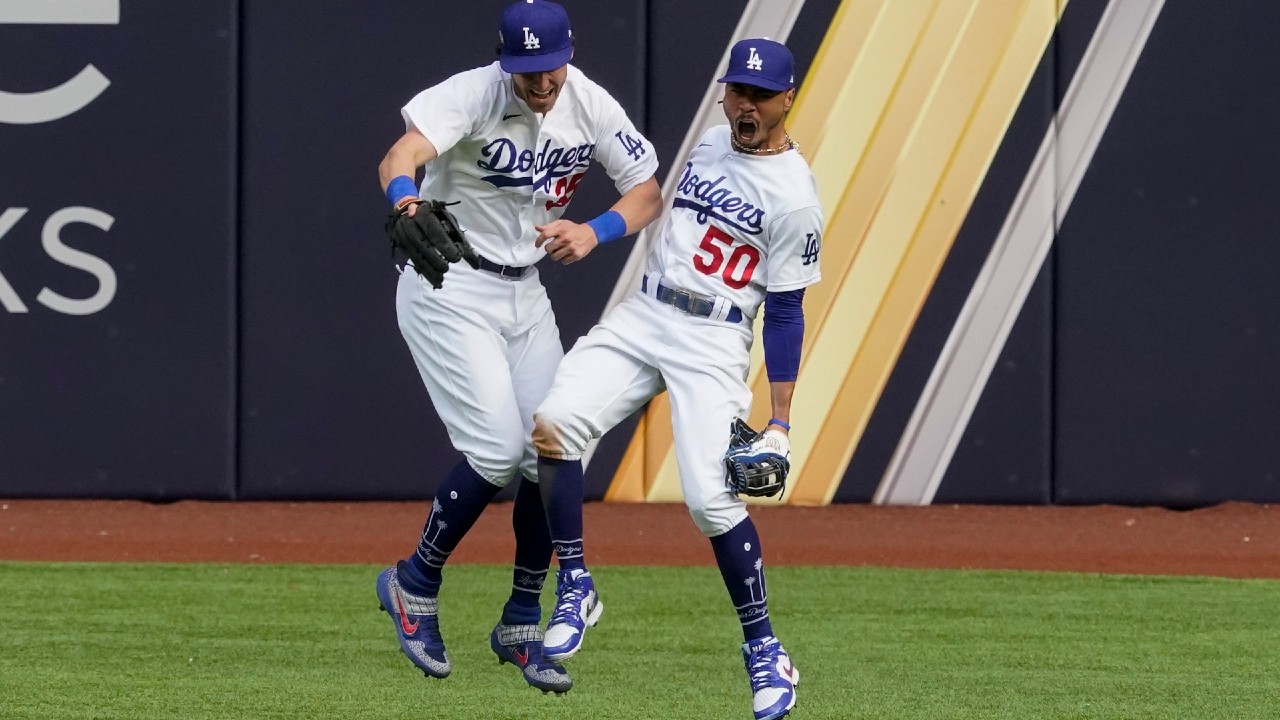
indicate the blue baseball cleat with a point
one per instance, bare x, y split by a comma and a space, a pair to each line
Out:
773, 678
578, 607
521, 645
417, 625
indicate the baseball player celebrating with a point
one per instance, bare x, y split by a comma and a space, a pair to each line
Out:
745, 228
504, 147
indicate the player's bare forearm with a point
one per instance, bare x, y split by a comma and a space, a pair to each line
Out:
640, 205
410, 152
780, 398
567, 241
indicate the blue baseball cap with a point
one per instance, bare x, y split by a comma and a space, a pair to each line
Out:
535, 37
761, 62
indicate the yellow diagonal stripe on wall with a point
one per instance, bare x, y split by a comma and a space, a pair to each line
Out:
900, 116
957, 96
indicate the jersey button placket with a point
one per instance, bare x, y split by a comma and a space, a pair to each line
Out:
537, 147
531, 210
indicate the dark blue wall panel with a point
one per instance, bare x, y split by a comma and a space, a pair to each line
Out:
1004, 455
126, 393
686, 42
1168, 313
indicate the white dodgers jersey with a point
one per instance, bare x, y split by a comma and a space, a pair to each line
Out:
740, 224
511, 169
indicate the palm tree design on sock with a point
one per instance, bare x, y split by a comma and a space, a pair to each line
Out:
440, 525
755, 609
751, 582
427, 544
436, 509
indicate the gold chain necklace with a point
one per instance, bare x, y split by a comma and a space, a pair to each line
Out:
786, 145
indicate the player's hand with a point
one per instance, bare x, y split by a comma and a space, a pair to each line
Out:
411, 209
566, 242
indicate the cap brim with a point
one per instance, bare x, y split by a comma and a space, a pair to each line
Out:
516, 64
755, 80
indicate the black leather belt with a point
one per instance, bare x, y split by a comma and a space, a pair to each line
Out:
685, 301
511, 271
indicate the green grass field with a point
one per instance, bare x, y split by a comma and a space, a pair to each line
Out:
141, 642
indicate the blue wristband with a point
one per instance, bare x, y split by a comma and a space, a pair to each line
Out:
608, 226
779, 423
401, 186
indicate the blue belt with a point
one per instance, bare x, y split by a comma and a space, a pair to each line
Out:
511, 271
685, 301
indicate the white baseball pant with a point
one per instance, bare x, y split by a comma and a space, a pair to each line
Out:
487, 348
639, 349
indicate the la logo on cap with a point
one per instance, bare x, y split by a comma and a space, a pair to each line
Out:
760, 62
536, 37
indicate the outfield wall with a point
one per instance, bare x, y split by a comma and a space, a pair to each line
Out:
1048, 269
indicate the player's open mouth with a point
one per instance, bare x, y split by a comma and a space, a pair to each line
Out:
543, 95
745, 129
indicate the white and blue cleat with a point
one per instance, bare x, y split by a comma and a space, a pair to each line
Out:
773, 678
578, 607
417, 624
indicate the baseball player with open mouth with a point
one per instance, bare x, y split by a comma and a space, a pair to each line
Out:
745, 229
504, 147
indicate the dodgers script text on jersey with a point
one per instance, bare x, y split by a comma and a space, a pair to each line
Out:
737, 232
519, 169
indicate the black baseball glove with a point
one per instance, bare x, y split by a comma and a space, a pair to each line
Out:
431, 239
756, 464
